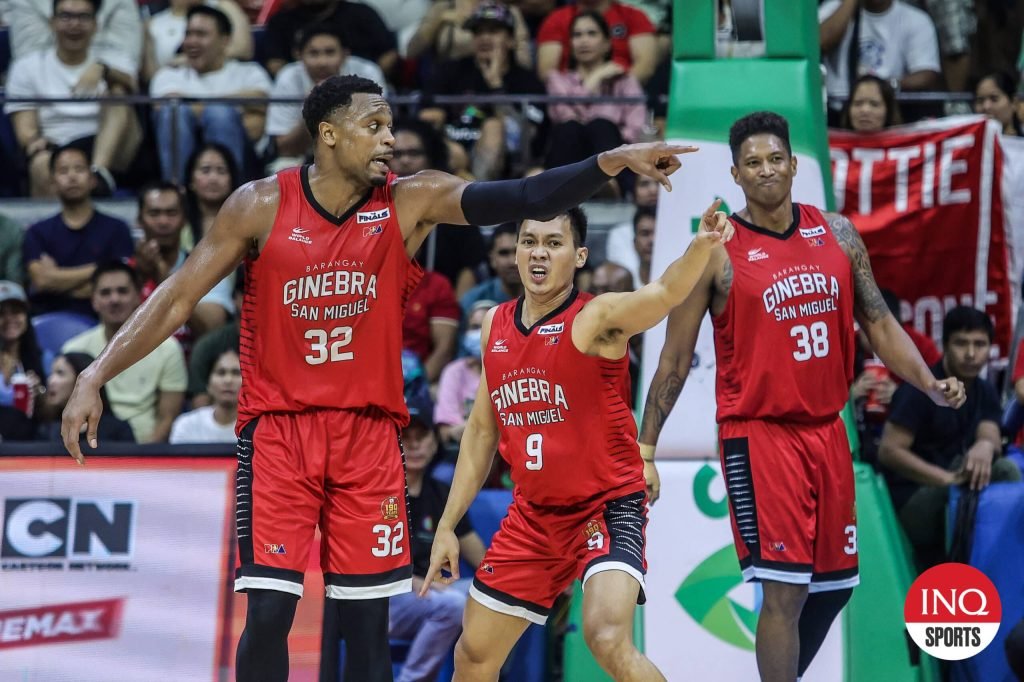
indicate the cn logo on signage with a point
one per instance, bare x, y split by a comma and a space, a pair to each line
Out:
41, 528
952, 611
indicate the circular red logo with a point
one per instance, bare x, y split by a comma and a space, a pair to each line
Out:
952, 611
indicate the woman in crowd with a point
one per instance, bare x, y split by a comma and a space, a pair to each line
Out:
582, 130
211, 177
63, 373
20, 355
214, 423
995, 96
872, 106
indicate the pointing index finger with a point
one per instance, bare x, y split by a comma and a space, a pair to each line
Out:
678, 149
713, 208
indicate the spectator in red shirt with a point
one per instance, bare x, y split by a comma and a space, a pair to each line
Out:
431, 323
632, 38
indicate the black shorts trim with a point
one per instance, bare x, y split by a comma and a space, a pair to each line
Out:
625, 519
369, 579
258, 571
739, 482
506, 598
789, 566
245, 450
830, 576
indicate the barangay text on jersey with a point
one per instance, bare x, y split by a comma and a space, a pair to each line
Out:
801, 280
515, 399
326, 280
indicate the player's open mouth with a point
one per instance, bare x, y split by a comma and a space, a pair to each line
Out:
538, 273
381, 162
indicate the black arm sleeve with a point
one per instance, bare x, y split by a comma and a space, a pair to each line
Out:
541, 197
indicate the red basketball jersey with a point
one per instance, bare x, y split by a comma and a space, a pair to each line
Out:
322, 319
566, 427
784, 342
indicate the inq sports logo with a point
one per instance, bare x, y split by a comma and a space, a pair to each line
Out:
704, 593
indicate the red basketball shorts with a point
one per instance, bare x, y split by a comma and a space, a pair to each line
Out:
341, 469
538, 552
791, 499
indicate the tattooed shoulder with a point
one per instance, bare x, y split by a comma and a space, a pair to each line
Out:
868, 299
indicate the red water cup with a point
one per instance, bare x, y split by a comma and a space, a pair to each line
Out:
879, 372
22, 393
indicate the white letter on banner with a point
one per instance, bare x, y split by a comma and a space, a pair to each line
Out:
840, 168
867, 158
948, 168
928, 176
902, 157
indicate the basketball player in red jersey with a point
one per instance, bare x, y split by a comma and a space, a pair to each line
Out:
783, 296
555, 399
329, 252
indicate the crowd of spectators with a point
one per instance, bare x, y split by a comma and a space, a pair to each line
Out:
179, 159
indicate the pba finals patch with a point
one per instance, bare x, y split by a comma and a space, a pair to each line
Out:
389, 508
952, 611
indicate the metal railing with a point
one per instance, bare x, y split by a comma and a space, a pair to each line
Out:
410, 104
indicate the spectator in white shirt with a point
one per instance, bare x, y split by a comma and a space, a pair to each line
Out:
321, 55
165, 32
214, 423
109, 132
208, 73
118, 41
895, 41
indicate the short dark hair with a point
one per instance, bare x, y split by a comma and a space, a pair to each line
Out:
577, 225
160, 186
966, 319
95, 5
327, 28
333, 94
758, 123
116, 266
72, 147
641, 213
221, 19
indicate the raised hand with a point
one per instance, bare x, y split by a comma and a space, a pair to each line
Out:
714, 225
654, 159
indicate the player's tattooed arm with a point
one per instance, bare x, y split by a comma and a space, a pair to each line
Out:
661, 399
868, 299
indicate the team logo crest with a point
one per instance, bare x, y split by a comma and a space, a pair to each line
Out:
816, 241
552, 340
372, 230
594, 534
270, 548
777, 546
389, 508
487, 568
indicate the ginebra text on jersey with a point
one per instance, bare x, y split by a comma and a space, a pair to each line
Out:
335, 283
803, 284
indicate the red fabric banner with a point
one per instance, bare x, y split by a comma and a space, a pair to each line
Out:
926, 198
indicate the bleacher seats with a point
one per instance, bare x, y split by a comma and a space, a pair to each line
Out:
54, 329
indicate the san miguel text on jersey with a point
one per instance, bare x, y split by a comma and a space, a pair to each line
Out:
785, 340
567, 429
322, 317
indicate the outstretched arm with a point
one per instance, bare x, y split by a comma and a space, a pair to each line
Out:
244, 218
432, 197
606, 323
884, 331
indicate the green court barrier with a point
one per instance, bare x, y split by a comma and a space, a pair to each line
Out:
876, 642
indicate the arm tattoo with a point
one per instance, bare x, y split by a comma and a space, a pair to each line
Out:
727, 276
867, 299
660, 402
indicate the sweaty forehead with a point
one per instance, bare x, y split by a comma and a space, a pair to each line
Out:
367, 105
762, 144
559, 227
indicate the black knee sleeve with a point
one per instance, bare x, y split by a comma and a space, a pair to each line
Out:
362, 627
263, 648
820, 609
